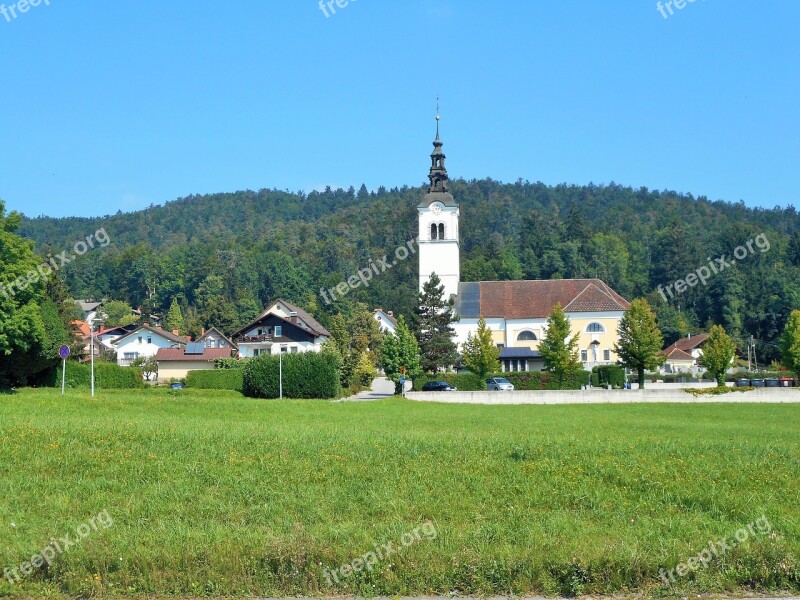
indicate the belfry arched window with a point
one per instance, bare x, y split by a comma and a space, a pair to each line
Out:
441, 231
433, 231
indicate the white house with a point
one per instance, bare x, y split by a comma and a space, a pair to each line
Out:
386, 320
282, 327
214, 338
144, 341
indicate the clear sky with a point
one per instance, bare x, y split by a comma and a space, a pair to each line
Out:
123, 104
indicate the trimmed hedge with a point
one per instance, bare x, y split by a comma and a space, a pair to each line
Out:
608, 374
522, 380
109, 376
465, 382
305, 375
216, 379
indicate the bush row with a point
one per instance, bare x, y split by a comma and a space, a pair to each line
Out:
305, 375
216, 379
527, 380
608, 374
109, 376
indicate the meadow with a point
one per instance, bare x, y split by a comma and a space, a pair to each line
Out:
213, 494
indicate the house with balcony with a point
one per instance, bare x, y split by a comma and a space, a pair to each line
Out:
144, 341
281, 327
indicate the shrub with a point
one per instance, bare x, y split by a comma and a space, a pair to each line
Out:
306, 375
230, 363
522, 380
216, 379
106, 376
465, 382
608, 374
542, 380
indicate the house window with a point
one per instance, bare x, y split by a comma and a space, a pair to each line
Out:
584, 355
278, 331
284, 349
294, 349
526, 336
149, 339
140, 339
260, 332
607, 355
595, 328
434, 234
500, 346
131, 355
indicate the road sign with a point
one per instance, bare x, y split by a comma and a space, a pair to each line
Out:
63, 352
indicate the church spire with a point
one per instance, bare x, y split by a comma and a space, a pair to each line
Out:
438, 173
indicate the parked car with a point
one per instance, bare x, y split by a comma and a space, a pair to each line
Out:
177, 385
499, 384
438, 386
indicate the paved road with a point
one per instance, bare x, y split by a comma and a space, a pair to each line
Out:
381, 388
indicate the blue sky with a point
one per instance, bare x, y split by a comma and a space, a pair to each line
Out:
118, 105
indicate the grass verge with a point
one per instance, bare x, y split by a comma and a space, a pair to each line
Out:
213, 494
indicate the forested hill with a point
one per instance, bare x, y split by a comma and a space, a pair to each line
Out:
225, 255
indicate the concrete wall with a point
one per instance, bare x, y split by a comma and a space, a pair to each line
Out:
595, 396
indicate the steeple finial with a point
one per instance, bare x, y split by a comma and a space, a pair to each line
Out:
438, 173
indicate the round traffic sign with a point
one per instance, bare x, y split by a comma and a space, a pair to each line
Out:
63, 352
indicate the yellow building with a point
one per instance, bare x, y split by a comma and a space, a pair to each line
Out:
517, 312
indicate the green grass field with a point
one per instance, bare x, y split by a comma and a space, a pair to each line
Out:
214, 494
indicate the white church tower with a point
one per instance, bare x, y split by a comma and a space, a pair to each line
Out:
438, 227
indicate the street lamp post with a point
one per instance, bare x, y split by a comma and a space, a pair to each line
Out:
91, 352
280, 370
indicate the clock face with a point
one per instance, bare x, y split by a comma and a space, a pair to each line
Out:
436, 208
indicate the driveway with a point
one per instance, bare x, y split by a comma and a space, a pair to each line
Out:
381, 388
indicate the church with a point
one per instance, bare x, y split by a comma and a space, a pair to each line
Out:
515, 311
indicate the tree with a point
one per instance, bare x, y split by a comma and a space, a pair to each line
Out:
790, 343
147, 365
432, 326
400, 350
718, 353
364, 371
118, 313
481, 355
174, 318
559, 351
640, 340
22, 327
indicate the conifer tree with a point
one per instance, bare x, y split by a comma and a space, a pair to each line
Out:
432, 327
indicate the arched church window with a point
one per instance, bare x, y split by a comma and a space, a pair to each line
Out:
441, 231
433, 231
526, 336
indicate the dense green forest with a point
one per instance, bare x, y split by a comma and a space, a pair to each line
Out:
224, 256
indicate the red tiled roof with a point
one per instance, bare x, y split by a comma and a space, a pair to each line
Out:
82, 326
687, 344
179, 354
678, 354
536, 298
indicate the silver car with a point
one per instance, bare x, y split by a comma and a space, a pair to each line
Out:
499, 384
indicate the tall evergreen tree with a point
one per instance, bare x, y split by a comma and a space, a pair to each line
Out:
559, 350
432, 327
174, 318
640, 340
